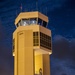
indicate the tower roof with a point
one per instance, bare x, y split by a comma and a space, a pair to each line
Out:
28, 15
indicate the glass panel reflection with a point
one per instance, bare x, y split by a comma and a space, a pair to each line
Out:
33, 21
25, 22
39, 21
44, 23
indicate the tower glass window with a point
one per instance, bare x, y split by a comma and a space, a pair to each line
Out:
25, 22
33, 21
19, 23
44, 23
39, 21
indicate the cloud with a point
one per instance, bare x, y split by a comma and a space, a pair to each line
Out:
6, 59
63, 47
60, 47
2, 32
60, 67
63, 57
72, 49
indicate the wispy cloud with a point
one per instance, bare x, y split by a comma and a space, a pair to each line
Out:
63, 57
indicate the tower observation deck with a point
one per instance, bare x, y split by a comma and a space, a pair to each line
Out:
32, 44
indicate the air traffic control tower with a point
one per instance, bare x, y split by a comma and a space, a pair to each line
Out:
31, 44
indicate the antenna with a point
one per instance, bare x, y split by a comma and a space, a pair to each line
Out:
46, 10
21, 7
16, 12
25, 8
37, 5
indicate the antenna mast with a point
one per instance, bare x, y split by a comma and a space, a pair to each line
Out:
21, 7
37, 5
46, 10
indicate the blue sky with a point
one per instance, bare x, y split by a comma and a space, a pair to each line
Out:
61, 15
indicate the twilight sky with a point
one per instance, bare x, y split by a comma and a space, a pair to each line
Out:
61, 15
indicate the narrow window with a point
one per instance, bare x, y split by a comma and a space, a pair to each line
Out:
44, 23
33, 21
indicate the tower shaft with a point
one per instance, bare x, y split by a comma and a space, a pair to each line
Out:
24, 63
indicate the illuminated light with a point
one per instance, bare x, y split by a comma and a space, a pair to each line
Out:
50, 53
33, 22
13, 54
25, 23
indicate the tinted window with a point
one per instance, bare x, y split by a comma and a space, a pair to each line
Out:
39, 21
45, 41
25, 22
19, 23
33, 21
44, 23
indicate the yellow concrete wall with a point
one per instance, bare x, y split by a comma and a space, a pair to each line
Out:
24, 52
34, 28
42, 61
24, 55
15, 53
29, 53
38, 63
21, 53
46, 64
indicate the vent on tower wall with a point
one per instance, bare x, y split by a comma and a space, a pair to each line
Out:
45, 41
41, 39
35, 38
